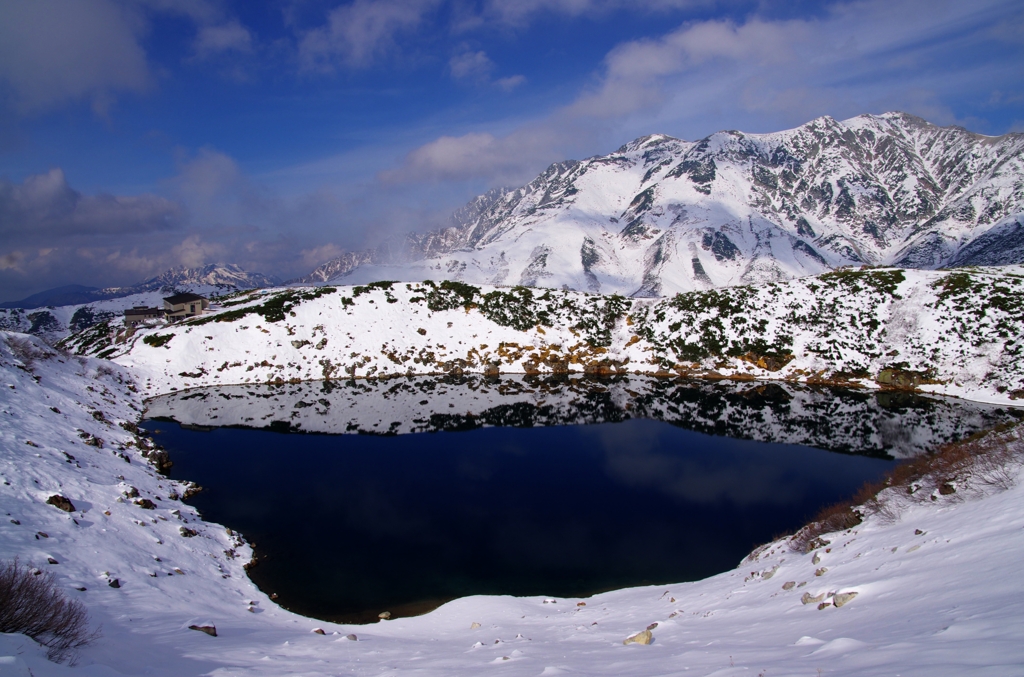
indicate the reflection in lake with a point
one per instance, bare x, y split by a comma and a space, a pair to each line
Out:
888, 423
352, 525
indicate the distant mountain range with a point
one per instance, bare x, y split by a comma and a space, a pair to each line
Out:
661, 215
225, 276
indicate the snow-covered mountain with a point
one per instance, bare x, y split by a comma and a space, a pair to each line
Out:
54, 314
661, 215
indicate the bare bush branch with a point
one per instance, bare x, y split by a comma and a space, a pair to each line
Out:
31, 603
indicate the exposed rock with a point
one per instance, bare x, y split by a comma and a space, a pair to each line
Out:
809, 599
145, 504
841, 598
51, 560
384, 615
474, 625
789, 585
61, 503
352, 638
114, 583
211, 630
821, 571
318, 631
769, 573
642, 637
816, 558
824, 605
187, 533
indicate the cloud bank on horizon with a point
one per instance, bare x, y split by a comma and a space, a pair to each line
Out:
136, 135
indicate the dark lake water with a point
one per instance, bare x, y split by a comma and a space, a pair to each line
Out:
578, 488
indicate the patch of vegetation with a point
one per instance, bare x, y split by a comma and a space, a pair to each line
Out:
157, 340
32, 603
274, 309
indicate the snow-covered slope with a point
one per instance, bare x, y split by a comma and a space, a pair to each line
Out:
955, 333
662, 215
937, 584
53, 323
900, 425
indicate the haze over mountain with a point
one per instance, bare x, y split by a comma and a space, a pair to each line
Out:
216, 275
662, 215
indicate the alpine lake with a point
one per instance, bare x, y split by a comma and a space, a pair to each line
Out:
398, 495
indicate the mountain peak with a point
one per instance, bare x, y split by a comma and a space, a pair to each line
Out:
661, 215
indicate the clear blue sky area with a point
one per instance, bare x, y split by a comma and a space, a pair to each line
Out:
137, 135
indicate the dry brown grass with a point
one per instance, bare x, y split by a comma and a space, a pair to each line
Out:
983, 462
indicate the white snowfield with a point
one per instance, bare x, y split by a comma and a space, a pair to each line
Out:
946, 332
938, 590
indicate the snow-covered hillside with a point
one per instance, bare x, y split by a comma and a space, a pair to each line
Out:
955, 333
901, 425
661, 215
53, 323
931, 589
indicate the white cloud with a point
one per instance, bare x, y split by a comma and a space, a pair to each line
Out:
44, 206
471, 65
521, 12
356, 34
510, 83
216, 39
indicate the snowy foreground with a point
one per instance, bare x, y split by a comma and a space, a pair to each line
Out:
938, 588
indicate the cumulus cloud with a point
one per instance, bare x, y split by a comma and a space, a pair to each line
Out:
44, 206
520, 12
355, 34
471, 65
53, 52
217, 39
758, 74
503, 159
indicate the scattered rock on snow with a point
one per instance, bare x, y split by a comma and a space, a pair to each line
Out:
61, 503
187, 533
809, 599
211, 630
318, 631
821, 571
841, 598
789, 585
642, 637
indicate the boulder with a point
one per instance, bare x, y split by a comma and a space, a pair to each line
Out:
789, 585
642, 637
211, 630
841, 598
61, 503
809, 599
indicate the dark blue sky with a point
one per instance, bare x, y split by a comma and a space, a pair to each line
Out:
140, 134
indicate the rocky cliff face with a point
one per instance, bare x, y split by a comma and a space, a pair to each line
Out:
661, 215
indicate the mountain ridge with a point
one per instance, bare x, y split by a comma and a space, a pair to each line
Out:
662, 215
